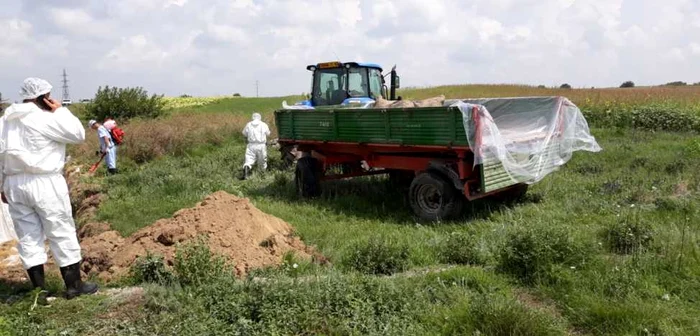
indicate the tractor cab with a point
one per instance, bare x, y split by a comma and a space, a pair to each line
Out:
336, 83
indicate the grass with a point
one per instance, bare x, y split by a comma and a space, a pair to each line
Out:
609, 245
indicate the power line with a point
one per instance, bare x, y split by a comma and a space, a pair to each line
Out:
66, 93
257, 89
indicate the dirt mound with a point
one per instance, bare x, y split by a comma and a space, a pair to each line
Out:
233, 226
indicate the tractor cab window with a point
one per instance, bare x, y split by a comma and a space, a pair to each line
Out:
375, 83
329, 87
357, 82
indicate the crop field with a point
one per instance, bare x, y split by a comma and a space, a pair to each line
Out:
607, 245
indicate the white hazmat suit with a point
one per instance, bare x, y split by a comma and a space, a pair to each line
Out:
32, 155
256, 133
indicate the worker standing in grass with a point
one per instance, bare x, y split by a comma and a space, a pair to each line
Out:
33, 138
256, 133
107, 147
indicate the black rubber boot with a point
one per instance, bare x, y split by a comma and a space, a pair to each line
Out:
36, 275
246, 173
74, 285
112, 171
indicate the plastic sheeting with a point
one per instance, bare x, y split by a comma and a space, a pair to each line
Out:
7, 229
530, 137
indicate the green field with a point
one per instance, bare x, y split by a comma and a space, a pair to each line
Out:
608, 245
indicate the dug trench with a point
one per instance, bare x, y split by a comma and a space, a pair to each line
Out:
233, 228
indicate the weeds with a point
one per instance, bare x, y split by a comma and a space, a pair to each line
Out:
196, 265
378, 256
532, 254
628, 237
151, 268
461, 248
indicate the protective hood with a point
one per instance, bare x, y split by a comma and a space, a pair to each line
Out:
257, 118
18, 111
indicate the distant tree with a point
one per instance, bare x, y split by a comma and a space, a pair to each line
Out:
627, 84
125, 103
185, 96
565, 86
696, 84
541, 87
236, 94
677, 83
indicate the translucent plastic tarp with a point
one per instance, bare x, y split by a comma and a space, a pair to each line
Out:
530, 136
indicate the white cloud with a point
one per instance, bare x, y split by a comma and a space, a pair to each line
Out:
135, 53
695, 48
224, 46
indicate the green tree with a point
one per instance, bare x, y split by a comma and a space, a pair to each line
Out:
124, 104
676, 83
627, 84
565, 86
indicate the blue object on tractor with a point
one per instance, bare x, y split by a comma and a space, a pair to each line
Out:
349, 84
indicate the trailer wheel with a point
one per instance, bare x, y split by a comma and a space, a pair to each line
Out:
307, 178
288, 156
434, 199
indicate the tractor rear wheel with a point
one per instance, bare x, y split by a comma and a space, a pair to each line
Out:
307, 177
434, 199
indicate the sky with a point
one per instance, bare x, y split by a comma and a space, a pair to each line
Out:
221, 47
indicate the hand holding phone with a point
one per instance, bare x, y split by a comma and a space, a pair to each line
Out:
47, 104
41, 103
52, 103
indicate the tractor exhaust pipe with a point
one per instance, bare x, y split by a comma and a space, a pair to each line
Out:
394, 84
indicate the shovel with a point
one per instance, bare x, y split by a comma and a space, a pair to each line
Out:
96, 164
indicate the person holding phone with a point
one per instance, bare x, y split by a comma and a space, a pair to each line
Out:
33, 139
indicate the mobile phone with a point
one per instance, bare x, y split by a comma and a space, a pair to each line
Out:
41, 104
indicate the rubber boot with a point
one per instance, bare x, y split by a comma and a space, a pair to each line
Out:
112, 171
36, 275
245, 174
74, 285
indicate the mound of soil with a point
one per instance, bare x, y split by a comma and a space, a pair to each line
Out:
234, 227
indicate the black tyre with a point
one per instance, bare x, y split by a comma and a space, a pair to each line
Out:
434, 199
307, 178
287, 156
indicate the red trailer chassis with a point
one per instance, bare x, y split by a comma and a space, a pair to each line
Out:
444, 167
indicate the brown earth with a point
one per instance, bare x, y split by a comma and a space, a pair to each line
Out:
233, 226
235, 229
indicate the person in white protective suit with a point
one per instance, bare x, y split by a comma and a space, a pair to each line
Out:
256, 133
33, 138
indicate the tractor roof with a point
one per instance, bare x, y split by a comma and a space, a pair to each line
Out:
328, 65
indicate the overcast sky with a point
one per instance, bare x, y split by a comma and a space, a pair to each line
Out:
218, 47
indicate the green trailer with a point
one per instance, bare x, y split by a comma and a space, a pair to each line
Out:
447, 155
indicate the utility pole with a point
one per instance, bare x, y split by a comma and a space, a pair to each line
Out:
257, 89
66, 93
